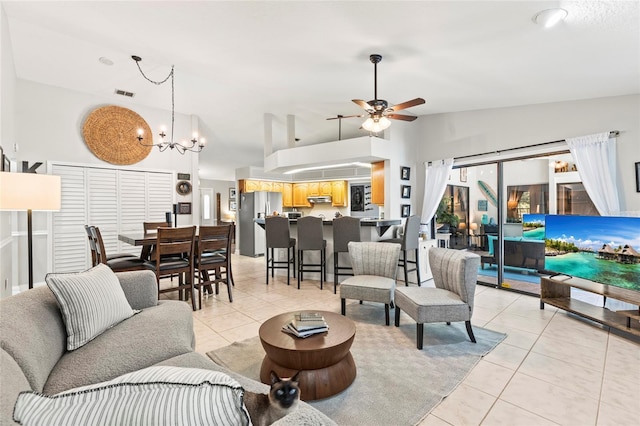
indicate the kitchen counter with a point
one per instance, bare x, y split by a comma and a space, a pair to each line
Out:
381, 225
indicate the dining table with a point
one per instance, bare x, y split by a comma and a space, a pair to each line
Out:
141, 238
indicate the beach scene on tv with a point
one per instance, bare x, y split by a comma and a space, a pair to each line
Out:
598, 248
533, 226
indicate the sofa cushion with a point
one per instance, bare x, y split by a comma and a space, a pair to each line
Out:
12, 383
155, 334
305, 414
91, 302
32, 333
155, 395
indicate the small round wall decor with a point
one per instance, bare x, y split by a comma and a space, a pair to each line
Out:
110, 132
183, 187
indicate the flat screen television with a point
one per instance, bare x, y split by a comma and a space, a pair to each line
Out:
533, 226
603, 249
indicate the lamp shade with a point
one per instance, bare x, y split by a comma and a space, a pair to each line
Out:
29, 191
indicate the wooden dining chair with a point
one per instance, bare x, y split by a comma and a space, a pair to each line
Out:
213, 259
151, 227
174, 254
122, 263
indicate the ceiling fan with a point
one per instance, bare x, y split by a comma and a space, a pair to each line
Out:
378, 109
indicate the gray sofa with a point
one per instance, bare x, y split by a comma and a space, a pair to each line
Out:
33, 353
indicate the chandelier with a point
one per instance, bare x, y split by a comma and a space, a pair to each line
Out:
193, 145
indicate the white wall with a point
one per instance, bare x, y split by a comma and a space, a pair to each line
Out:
483, 131
221, 186
7, 98
50, 120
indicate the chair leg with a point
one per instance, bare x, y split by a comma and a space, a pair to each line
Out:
419, 334
293, 249
343, 306
266, 256
470, 331
418, 269
300, 266
335, 272
404, 262
273, 258
397, 314
386, 314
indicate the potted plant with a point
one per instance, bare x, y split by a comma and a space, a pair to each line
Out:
445, 216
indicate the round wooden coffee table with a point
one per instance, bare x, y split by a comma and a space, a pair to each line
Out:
324, 361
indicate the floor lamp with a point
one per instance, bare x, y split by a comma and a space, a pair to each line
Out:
29, 191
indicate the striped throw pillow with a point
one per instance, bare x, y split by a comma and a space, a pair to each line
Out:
152, 396
91, 302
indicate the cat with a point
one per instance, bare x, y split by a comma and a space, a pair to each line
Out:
282, 399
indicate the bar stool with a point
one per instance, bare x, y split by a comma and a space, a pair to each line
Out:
278, 237
310, 238
409, 241
345, 229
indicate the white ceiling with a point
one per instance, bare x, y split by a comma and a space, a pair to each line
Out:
237, 60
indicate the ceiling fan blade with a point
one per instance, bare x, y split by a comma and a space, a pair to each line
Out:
408, 104
364, 105
344, 116
402, 117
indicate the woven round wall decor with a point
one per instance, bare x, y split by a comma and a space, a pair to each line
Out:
110, 132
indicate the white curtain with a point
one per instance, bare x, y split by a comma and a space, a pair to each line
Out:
435, 182
595, 158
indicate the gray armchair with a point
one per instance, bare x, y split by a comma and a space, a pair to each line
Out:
455, 274
374, 266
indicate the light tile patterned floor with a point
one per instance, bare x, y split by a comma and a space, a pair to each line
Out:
553, 368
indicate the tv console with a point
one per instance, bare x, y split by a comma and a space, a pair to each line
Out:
556, 291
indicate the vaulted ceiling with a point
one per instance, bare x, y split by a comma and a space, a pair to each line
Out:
237, 60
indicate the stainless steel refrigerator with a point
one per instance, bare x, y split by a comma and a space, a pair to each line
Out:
254, 205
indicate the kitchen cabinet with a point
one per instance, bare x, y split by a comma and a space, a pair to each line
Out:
325, 188
266, 186
377, 183
287, 195
313, 189
248, 185
339, 193
300, 194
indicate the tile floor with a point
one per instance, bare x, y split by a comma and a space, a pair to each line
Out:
552, 369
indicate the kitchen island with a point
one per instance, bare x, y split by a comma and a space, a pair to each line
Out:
380, 226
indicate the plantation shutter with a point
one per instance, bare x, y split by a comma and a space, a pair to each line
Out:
70, 243
114, 200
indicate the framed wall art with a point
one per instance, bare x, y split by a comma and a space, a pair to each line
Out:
405, 173
638, 177
406, 191
233, 205
406, 210
463, 174
232, 193
184, 208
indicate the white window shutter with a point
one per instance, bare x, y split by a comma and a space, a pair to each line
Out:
70, 243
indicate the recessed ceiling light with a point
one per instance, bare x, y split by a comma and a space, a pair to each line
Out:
105, 61
549, 17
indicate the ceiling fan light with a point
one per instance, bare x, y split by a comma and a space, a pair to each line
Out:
384, 122
368, 124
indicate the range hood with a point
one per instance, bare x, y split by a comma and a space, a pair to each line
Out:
319, 199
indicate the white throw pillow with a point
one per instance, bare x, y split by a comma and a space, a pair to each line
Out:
91, 302
152, 396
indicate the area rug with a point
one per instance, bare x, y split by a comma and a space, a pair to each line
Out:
396, 384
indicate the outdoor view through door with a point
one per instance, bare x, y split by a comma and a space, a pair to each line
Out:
532, 188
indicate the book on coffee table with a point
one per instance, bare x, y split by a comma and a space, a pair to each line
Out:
289, 328
304, 321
